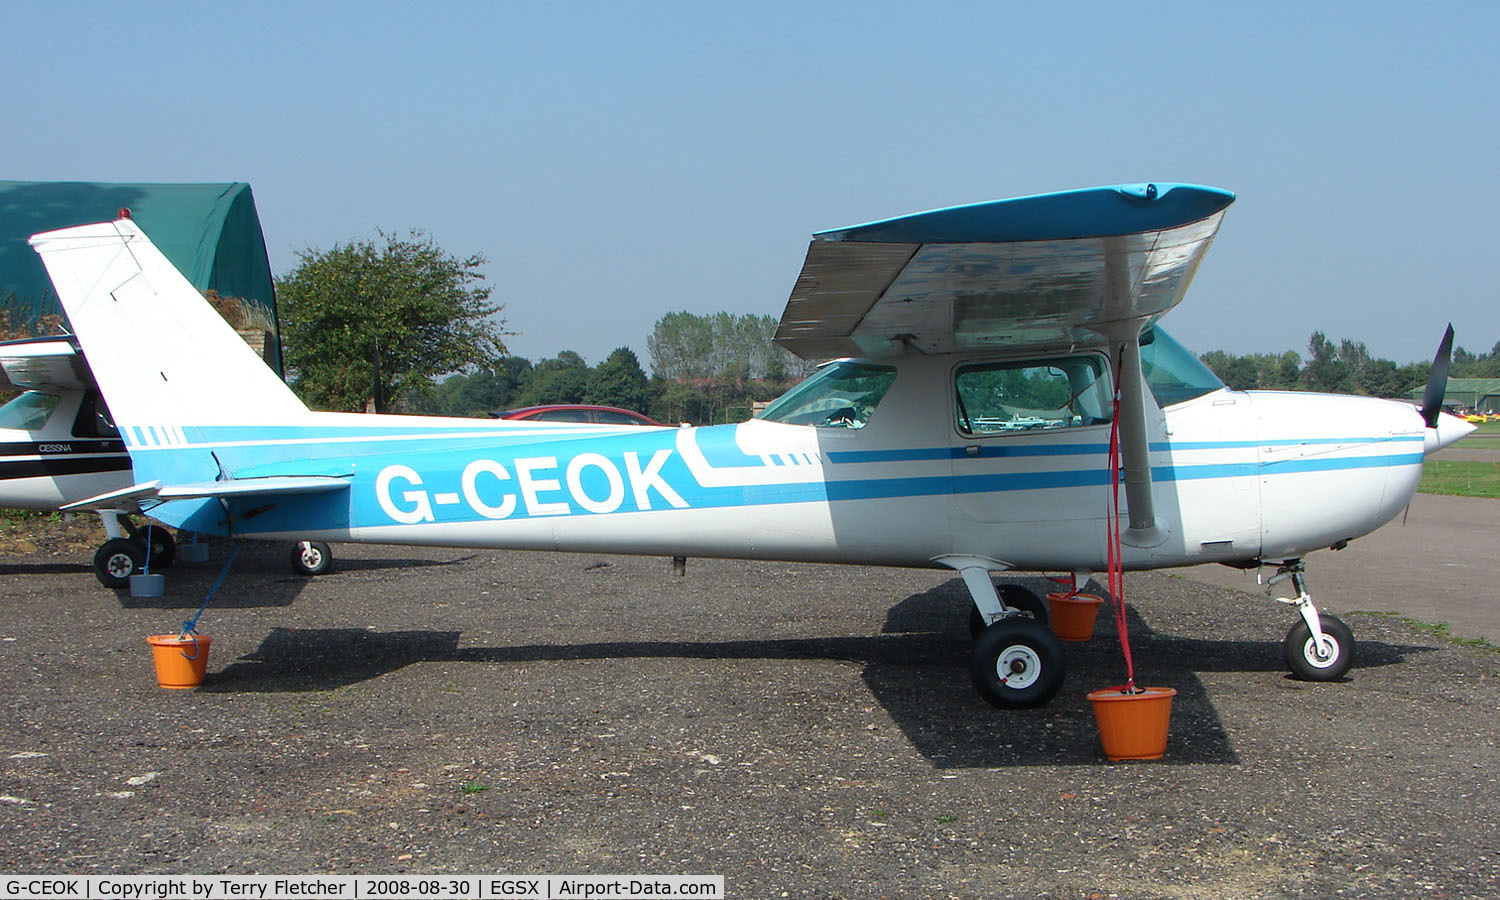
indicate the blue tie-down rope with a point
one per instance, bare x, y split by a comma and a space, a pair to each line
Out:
146, 566
190, 625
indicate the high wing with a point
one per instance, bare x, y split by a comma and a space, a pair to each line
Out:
49, 365
1054, 270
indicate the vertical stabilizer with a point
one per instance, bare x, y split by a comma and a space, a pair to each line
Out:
164, 359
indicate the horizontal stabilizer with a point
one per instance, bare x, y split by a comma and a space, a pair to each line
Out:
231, 488
124, 498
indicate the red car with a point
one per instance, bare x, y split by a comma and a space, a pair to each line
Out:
577, 412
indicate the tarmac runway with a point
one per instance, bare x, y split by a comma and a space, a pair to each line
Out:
804, 731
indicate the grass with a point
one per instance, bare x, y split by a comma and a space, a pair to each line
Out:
1460, 479
1437, 629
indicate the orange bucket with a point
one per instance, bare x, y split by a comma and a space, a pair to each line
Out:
1133, 726
1072, 615
180, 661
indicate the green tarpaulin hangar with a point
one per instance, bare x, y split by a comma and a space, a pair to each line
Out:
210, 232
1472, 394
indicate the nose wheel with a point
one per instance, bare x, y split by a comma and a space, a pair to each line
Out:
1312, 659
1319, 647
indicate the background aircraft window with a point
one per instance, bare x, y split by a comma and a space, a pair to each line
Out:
29, 411
842, 394
1172, 372
1033, 395
94, 420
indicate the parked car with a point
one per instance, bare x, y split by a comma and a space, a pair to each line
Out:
579, 412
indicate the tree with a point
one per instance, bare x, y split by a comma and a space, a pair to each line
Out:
415, 308
1324, 371
1256, 371
488, 389
1237, 372
620, 381
683, 345
562, 379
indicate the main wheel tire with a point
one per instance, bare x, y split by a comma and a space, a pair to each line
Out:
1016, 663
1012, 595
1305, 660
116, 560
163, 546
311, 558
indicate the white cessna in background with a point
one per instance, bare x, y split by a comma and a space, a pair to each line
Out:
58, 445
967, 423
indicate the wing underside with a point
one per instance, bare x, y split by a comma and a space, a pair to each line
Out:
1039, 272
49, 365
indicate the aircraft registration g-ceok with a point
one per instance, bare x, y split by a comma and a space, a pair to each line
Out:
966, 422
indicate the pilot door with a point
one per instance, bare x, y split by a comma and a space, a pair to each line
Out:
1031, 450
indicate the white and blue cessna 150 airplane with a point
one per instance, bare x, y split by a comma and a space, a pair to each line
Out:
966, 422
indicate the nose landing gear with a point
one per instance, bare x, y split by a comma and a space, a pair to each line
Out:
1319, 647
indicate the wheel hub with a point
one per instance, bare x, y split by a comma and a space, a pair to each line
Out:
1018, 667
1321, 654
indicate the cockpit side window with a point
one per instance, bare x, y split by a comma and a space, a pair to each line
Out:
1032, 395
28, 412
842, 394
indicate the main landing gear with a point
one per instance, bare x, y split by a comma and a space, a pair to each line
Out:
1319, 647
125, 552
1017, 661
310, 558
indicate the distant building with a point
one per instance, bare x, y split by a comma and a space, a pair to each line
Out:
1473, 394
210, 232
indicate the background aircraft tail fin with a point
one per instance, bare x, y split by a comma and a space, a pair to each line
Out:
164, 359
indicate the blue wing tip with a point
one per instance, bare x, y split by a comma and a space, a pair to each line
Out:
1088, 212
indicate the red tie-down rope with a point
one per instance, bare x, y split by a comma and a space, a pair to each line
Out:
1114, 548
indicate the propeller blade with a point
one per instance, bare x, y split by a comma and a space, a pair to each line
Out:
1437, 382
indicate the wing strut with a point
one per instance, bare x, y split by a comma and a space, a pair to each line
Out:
1144, 530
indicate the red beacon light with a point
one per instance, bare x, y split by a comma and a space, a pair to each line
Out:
124, 212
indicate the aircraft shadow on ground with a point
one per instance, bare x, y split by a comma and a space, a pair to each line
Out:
50, 568
917, 670
187, 586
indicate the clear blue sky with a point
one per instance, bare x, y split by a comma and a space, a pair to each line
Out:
617, 161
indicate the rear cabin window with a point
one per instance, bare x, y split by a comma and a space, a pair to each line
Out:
1032, 395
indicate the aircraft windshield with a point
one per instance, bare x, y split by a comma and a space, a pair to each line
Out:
842, 394
1172, 372
28, 412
